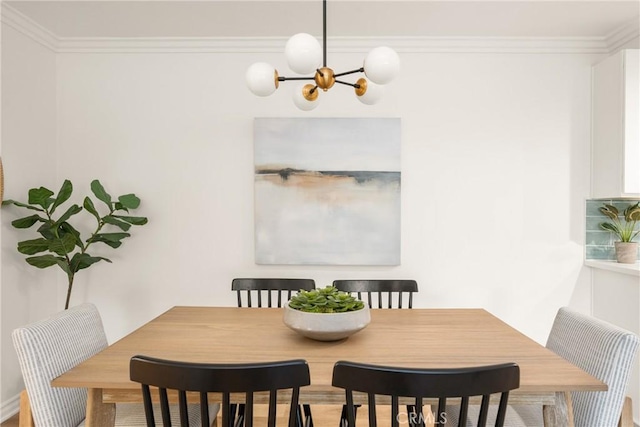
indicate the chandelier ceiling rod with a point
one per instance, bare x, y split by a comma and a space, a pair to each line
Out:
324, 33
303, 54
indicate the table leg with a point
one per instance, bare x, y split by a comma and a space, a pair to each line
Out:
560, 414
99, 414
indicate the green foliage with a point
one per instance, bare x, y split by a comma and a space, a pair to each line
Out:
325, 300
626, 231
66, 248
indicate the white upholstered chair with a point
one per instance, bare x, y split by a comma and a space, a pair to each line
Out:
50, 347
603, 350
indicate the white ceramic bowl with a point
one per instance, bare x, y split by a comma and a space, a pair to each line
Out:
326, 326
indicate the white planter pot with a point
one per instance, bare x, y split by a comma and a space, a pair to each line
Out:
326, 326
626, 252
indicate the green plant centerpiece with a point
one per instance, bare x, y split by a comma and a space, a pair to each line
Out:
624, 227
325, 300
60, 241
326, 314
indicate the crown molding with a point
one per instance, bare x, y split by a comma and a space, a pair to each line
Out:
515, 45
339, 45
623, 35
28, 27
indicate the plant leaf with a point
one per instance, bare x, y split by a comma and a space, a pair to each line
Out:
63, 245
27, 221
632, 213
63, 195
90, 207
74, 209
129, 201
22, 205
610, 227
133, 220
47, 230
111, 239
66, 228
100, 193
109, 219
41, 197
44, 261
117, 206
32, 247
81, 261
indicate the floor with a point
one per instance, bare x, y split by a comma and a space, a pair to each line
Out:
11, 422
328, 416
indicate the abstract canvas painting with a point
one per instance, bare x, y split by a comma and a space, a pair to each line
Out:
327, 191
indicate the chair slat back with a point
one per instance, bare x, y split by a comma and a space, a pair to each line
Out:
279, 290
205, 378
418, 384
380, 293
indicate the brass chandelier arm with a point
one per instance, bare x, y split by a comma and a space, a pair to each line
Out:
359, 70
356, 85
283, 79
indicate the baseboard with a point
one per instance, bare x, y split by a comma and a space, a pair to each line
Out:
9, 408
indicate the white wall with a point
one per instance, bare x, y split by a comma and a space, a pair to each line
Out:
28, 156
495, 171
495, 152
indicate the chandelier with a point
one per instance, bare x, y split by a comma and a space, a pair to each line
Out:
305, 55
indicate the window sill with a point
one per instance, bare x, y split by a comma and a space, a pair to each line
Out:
630, 269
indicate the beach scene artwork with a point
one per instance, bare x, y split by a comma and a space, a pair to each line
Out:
327, 191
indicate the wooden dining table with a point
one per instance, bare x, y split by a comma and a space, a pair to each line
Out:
419, 338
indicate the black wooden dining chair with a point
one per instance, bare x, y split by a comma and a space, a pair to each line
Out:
387, 292
271, 288
275, 291
204, 378
420, 384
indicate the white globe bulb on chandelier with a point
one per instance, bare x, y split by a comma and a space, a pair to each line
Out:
305, 55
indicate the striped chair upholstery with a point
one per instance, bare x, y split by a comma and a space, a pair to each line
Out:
50, 347
603, 350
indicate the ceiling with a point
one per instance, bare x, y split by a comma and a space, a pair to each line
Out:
355, 18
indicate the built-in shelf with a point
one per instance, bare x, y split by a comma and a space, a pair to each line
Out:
631, 269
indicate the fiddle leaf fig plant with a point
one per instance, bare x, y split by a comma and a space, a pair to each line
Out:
626, 231
325, 300
60, 242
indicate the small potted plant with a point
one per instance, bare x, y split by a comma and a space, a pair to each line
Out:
326, 314
624, 227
